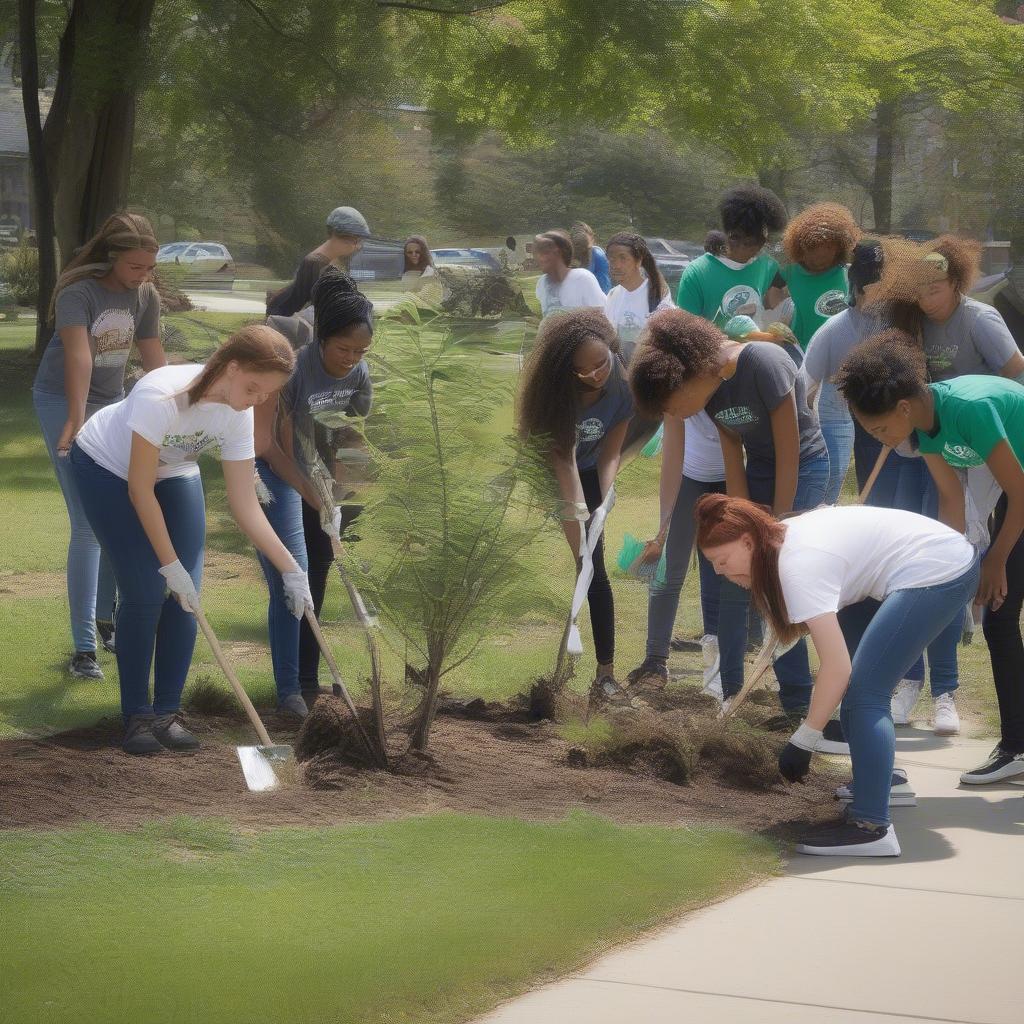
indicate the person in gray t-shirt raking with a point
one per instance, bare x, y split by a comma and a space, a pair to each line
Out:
103, 303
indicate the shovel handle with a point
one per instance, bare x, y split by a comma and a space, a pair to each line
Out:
243, 697
870, 482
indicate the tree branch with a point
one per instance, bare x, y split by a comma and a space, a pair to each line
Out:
457, 10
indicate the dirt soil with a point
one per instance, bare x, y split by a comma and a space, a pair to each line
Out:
496, 768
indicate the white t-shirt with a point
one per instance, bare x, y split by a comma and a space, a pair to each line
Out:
157, 409
702, 455
834, 557
579, 289
628, 312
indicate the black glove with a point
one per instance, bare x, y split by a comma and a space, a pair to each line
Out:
794, 763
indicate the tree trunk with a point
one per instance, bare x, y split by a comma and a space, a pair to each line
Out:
428, 707
42, 201
881, 184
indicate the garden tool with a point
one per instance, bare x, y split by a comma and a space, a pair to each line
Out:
870, 482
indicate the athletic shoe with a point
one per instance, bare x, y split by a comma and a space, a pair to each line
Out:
788, 721
105, 632
903, 700
900, 793
946, 719
293, 704
606, 689
851, 839
649, 675
84, 665
999, 766
138, 736
832, 739
712, 665
172, 734
680, 643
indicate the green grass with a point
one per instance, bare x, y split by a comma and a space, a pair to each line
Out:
422, 920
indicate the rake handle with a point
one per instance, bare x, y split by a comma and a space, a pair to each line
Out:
870, 482
243, 697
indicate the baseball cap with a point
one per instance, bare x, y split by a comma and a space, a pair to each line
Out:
346, 220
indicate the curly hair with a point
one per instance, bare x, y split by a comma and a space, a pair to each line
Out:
675, 347
752, 211
821, 224
964, 258
549, 400
882, 371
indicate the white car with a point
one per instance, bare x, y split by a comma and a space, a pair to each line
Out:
201, 263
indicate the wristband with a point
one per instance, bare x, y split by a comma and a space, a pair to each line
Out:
806, 738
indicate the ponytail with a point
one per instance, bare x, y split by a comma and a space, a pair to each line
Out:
657, 286
256, 348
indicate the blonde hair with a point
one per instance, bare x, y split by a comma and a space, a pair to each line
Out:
121, 232
256, 348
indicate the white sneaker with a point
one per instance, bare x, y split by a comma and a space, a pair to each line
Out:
903, 700
947, 721
712, 675
900, 792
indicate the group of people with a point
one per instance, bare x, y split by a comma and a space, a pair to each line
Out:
758, 437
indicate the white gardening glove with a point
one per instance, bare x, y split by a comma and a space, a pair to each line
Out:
333, 528
296, 592
180, 584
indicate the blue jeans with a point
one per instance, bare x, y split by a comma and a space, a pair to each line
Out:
792, 669
883, 639
284, 514
837, 429
148, 617
905, 483
90, 578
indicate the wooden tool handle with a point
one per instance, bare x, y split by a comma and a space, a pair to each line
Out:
879, 462
764, 661
243, 697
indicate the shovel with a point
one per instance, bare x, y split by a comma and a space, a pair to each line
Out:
257, 763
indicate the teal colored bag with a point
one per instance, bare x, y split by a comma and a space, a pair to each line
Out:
653, 447
630, 552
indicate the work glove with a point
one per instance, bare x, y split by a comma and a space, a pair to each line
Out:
333, 528
296, 592
795, 759
180, 584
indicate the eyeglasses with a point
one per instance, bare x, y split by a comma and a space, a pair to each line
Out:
597, 371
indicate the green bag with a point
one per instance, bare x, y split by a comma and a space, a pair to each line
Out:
630, 552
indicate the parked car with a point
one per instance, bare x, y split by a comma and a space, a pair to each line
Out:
198, 265
465, 258
378, 260
670, 262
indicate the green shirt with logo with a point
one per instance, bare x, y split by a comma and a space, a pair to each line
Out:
972, 415
816, 297
718, 290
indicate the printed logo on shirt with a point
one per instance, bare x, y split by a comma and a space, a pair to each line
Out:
831, 302
736, 416
590, 429
329, 408
188, 444
738, 297
629, 327
113, 331
941, 358
961, 455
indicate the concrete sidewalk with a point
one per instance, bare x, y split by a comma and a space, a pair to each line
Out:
935, 935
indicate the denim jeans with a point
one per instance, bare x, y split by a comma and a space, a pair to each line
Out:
905, 483
837, 429
149, 620
663, 602
883, 639
792, 669
90, 578
284, 513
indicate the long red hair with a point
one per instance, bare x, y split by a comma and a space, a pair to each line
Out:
722, 520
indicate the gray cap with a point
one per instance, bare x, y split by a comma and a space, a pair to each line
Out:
347, 220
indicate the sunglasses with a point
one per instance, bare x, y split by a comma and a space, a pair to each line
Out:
597, 371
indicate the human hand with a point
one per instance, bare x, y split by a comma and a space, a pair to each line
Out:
180, 584
68, 435
795, 759
992, 585
296, 592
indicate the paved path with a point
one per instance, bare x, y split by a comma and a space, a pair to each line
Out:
933, 936
251, 302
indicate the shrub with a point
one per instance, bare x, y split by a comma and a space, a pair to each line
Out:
19, 272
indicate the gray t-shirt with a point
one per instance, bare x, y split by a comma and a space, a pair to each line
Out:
594, 422
113, 320
835, 339
765, 375
975, 339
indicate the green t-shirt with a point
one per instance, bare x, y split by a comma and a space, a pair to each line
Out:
816, 297
973, 414
716, 289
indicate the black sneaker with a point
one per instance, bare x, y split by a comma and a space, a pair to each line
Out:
788, 721
1000, 765
832, 739
680, 643
172, 734
84, 665
851, 839
650, 675
138, 736
105, 632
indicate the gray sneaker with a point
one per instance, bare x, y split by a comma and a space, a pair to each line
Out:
84, 665
293, 704
172, 734
138, 736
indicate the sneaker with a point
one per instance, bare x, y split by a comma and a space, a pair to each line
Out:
900, 792
788, 721
650, 675
681, 643
999, 766
172, 734
294, 704
903, 700
84, 665
946, 720
851, 839
712, 665
832, 739
606, 690
105, 632
138, 736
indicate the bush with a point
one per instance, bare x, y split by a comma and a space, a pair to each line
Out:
19, 272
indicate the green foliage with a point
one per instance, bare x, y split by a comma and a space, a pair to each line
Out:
19, 274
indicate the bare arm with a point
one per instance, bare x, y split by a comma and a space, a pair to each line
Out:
834, 674
567, 477
142, 467
151, 352
246, 509
1014, 367
1010, 477
952, 510
673, 447
735, 471
610, 456
786, 440
77, 375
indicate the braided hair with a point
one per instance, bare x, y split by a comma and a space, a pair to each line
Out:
657, 287
884, 370
549, 396
338, 305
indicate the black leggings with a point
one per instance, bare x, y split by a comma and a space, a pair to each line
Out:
599, 596
1002, 633
320, 556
